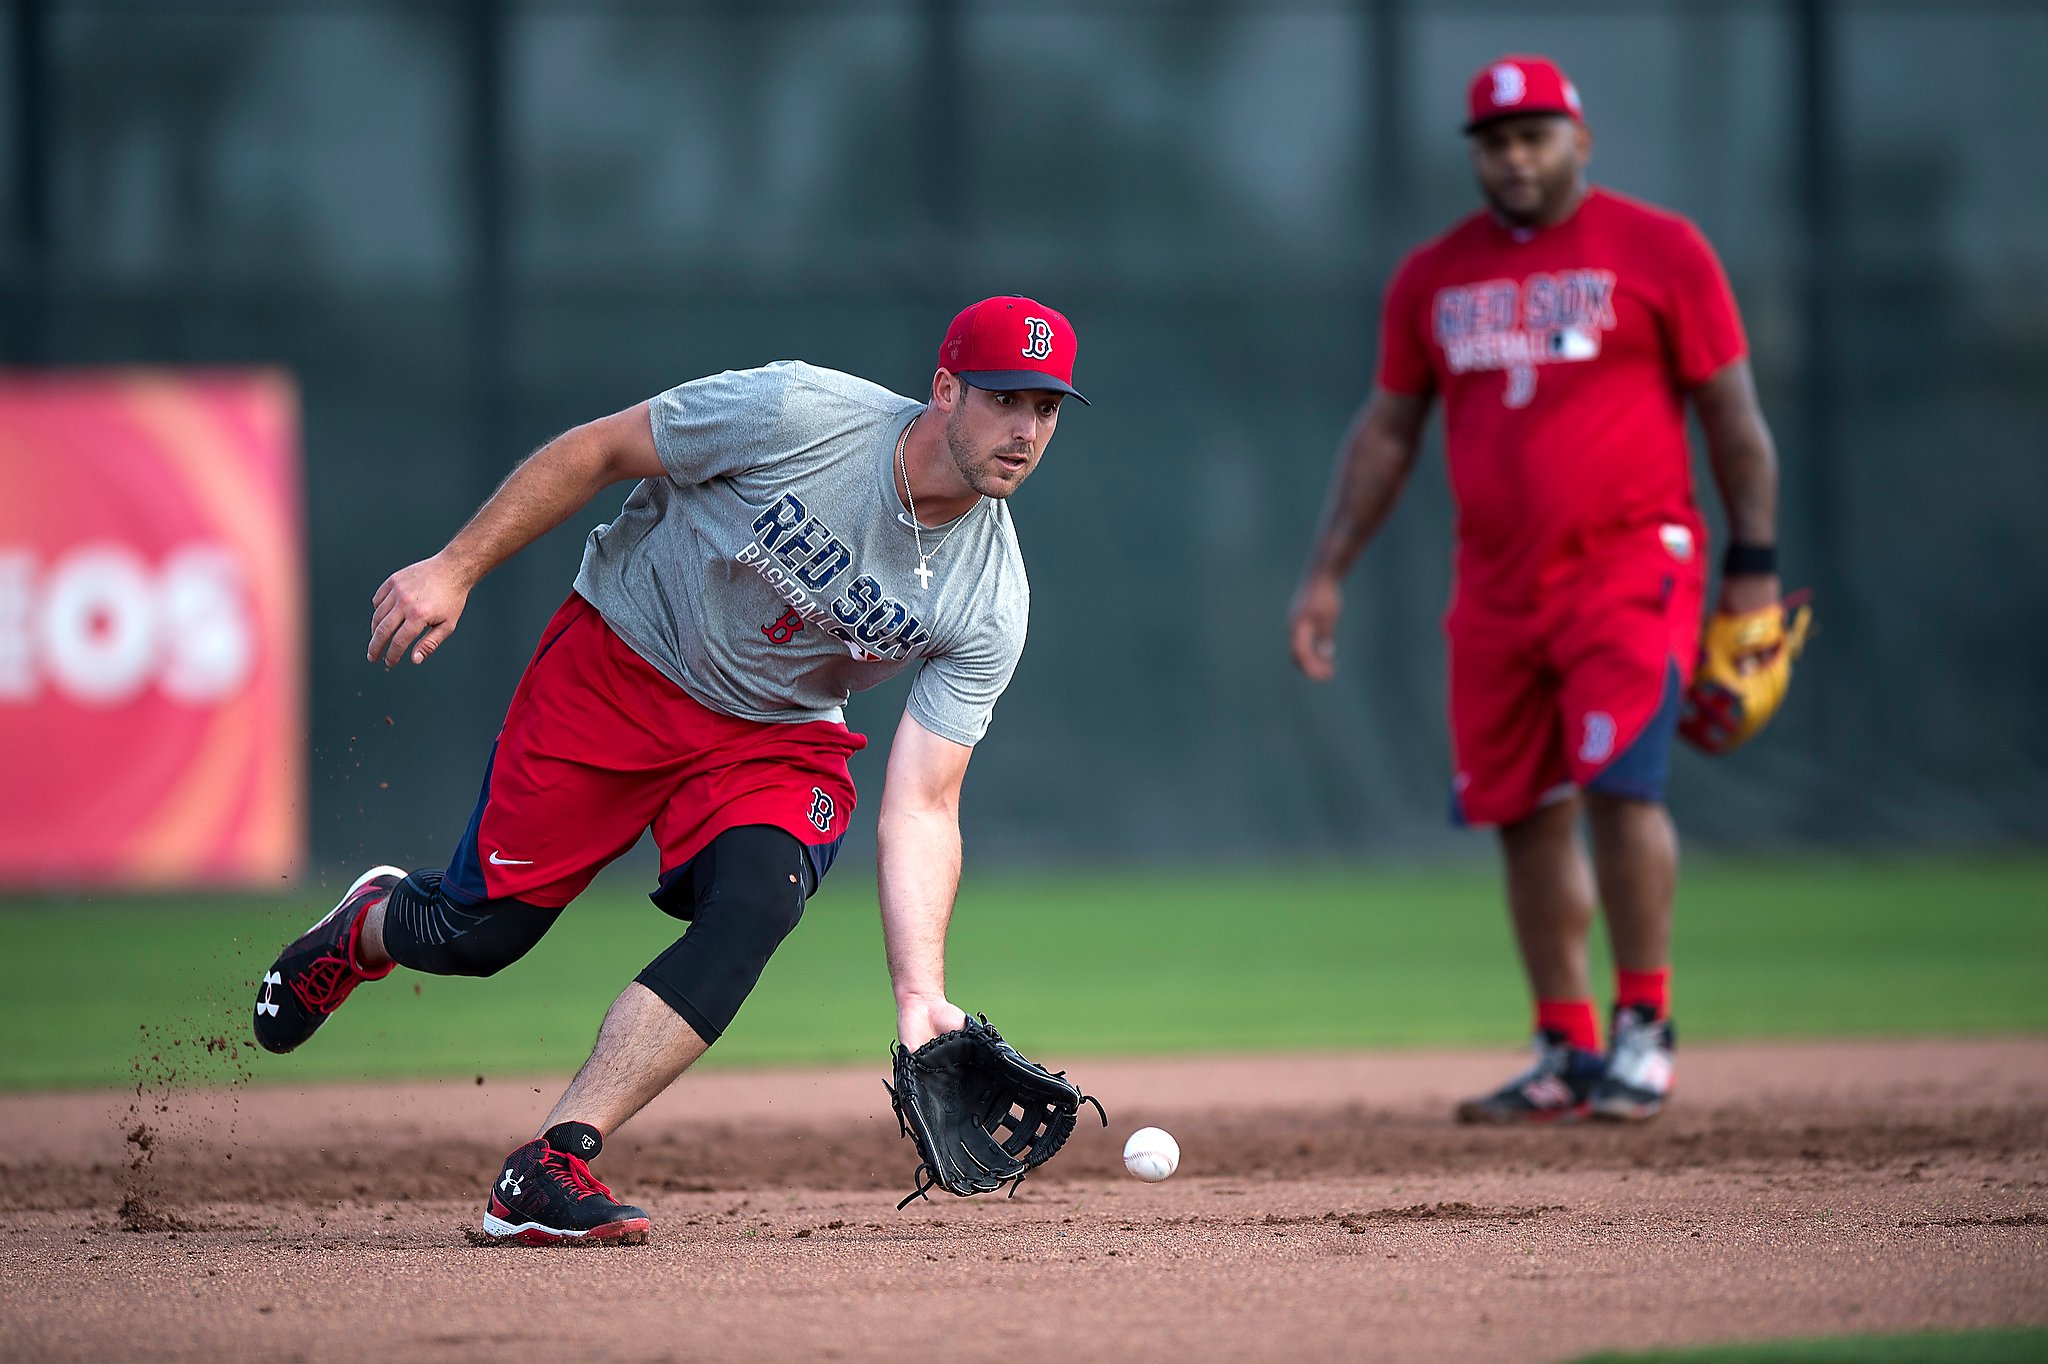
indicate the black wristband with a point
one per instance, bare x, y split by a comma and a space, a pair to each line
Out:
1746, 560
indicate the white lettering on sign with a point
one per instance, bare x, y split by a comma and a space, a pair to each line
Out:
203, 618
96, 628
17, 654
99, 626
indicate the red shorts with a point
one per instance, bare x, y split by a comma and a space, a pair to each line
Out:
599, 747
1581, 690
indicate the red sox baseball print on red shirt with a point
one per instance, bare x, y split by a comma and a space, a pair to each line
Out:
1563, 355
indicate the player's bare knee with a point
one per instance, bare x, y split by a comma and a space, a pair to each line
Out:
1623, 810
1555, 821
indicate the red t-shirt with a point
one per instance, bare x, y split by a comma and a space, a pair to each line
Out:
1563, 355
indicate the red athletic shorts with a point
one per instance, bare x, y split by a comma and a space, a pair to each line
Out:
1583, 688
599, 747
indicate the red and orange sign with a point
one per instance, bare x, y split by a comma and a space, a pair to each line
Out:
152, 616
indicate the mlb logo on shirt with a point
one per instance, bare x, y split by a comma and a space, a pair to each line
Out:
1574, 343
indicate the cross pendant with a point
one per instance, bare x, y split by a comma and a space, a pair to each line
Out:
924, 573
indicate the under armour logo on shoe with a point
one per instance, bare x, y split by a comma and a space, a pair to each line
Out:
510, 1183
265, 1005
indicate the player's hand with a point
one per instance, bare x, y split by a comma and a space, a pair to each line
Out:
1748, 592
920, 1018
1313, 626
415, 609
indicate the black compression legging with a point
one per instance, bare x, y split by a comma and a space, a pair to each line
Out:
743, 894
428, 931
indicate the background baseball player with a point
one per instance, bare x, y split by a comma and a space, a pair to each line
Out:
1565, 329
794, 535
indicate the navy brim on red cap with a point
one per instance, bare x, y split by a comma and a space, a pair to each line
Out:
1504, 115
1017, 381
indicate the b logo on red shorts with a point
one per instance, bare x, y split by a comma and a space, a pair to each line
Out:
821, 810
784, 630
1598, 745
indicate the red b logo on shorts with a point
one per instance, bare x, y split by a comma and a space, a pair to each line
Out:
784, 630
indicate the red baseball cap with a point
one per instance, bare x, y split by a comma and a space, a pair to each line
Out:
1517, 84
1009, 343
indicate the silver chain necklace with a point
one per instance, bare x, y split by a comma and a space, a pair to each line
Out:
924, 560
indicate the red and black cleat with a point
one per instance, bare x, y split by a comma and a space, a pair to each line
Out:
546, 1195
311, 978
1555, 1089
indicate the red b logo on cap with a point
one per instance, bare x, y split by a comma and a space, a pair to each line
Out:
1037, 338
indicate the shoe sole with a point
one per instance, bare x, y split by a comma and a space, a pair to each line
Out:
1624, 1110
1485, 1117
347, 895
631, 1231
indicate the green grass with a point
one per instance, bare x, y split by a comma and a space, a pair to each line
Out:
1108, 961
2026, 1345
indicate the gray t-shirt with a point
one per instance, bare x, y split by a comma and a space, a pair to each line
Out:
773, 572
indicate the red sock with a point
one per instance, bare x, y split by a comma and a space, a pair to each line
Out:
355, 950
1569, 1019
1645, 990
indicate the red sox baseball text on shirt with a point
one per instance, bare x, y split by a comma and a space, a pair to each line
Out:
1548, 318
798, 555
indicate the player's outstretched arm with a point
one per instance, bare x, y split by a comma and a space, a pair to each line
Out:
918, 867
417, 607
1745, 464
1373, 465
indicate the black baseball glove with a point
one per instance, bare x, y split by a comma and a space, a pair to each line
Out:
982, 1115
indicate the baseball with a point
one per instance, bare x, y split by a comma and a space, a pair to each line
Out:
1151, 1154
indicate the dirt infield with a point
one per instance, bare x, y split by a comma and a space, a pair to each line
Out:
1325, 1210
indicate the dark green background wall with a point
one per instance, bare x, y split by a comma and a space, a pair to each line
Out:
465, 226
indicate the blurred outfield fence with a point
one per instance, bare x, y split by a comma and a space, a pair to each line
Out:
465, 226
